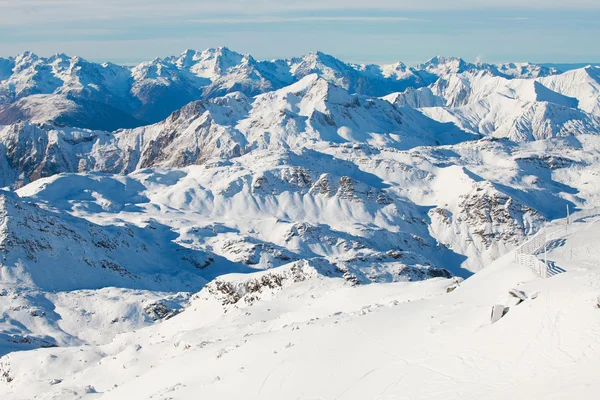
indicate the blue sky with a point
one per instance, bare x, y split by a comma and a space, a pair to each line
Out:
129, 31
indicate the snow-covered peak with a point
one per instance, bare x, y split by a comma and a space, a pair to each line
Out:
320, 63
520, 70
26, 58
211, 63
152, 90
582, 84
397, 70
440, 65
59, 57
310, 93
318, 58
186, 59
154, 69
481, 101
309, 83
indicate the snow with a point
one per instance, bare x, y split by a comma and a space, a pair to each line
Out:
348, 213
295, 117
582, 84
520, 109
321, 338
150, 91
292, 234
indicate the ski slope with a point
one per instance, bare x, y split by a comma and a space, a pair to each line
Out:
322, 338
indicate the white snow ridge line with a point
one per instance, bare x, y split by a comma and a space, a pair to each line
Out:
212, 225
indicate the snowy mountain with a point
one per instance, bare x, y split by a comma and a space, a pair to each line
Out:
285, 211
352, 210
441, 66
149, 92
582, 84
519, 109
310, 111
67, 111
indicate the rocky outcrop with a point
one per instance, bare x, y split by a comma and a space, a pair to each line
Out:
254, 253
493, 216
346, 188
239, 292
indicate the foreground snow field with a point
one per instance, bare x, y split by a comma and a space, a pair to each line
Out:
323, 338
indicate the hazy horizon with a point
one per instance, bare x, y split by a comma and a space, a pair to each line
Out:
131, 31
134, 62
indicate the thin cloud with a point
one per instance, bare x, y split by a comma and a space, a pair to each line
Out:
281, 19
23, 12
512, 18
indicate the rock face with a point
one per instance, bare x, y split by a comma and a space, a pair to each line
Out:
160, 310
239, 292
496, 217
263, 255
489, 221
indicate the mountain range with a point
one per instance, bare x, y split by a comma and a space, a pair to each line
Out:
185, 194
74, 92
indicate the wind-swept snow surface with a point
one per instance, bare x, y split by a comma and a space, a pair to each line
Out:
323, 338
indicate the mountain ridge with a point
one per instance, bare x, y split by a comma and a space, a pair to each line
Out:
150, 91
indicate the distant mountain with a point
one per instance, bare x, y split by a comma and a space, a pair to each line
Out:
564, 67
123, 97
440, 66
484, 103
311, 110
67, 110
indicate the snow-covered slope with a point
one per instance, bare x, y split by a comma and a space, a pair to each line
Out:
352, 211
174, 230
52, 261
55, 251
519, 109
314, 139
582, 84
322, 338
65, 110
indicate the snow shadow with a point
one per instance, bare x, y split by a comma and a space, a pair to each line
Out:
554, 269
328, 164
